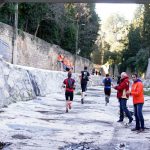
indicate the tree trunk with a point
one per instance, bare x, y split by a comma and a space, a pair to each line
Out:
77, 40
15, 34
26, 27
35, 34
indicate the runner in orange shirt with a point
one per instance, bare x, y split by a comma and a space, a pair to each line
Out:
60, 61
66, 64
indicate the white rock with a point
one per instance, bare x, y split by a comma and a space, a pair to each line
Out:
6, 71
10, 83
6, 94
2, 83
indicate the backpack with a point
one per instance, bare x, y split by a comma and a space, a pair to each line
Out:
70, 83
107, 82
85, 76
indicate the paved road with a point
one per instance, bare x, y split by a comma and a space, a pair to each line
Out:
42, 124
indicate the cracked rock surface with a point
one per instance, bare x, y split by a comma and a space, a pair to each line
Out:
42, 124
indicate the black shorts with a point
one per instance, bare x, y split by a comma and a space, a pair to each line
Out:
69, 96
67, 69
84, 87
107, 91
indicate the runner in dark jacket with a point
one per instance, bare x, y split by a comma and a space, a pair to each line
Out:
84, 77
107, 82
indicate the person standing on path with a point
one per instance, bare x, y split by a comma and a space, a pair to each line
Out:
138, 101
84, 78
69, 84
107, 82
123, 96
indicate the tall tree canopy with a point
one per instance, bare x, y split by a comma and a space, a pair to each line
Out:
136, 54
129, 42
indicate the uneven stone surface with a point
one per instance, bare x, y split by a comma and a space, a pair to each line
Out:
42, 124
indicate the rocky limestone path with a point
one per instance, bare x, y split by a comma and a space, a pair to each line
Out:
42, 124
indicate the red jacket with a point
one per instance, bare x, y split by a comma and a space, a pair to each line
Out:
137, 92
122, 88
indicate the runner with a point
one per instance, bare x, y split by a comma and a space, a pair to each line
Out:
60, 61
69, 84
107, 82
84, 80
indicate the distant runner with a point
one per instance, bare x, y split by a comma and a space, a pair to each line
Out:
69, 84
107, 82
84, 80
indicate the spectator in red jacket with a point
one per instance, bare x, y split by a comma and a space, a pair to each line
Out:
123, 96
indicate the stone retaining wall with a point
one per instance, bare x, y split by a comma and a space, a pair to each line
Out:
19, 83
35, 52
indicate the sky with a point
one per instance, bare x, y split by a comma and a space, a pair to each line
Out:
105, 10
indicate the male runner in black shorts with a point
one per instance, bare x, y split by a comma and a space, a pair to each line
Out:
84, 80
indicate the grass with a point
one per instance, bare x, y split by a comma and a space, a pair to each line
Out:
147, 93
78, 93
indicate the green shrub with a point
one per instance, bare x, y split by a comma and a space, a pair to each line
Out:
78, 93
147, 93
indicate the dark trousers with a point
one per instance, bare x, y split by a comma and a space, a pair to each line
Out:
123, 108
139, 116
84, 86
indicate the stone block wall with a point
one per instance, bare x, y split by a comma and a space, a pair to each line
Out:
35, 52
6, 42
